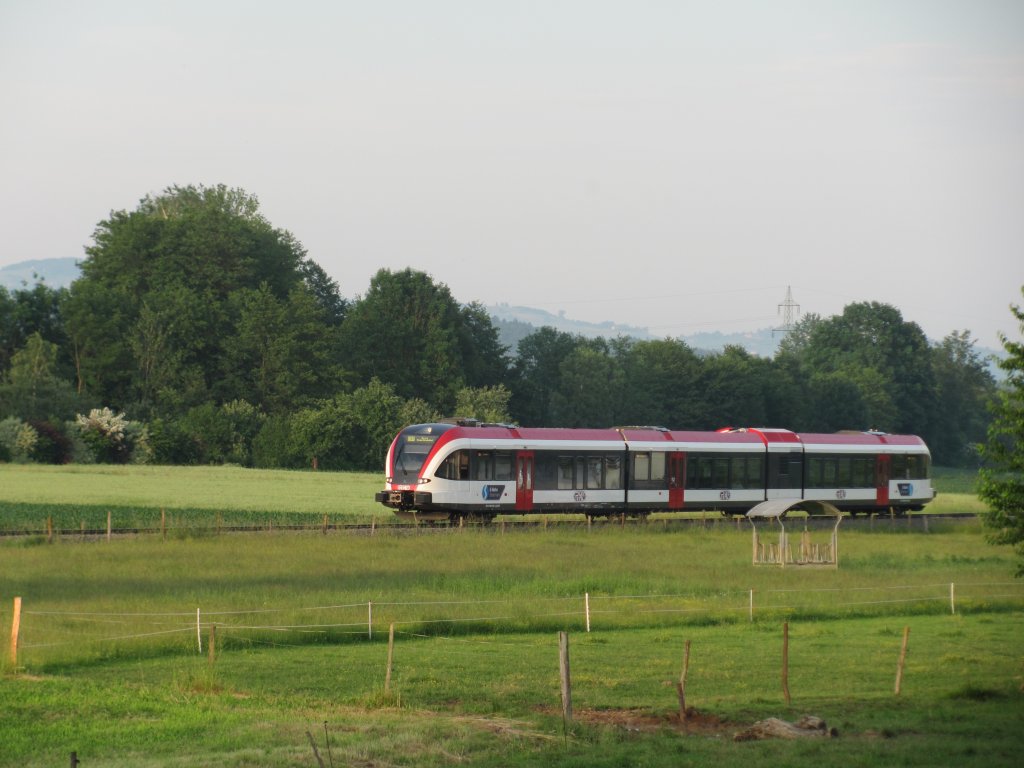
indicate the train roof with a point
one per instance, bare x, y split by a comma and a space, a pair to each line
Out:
866, 441
652, 438
649, 437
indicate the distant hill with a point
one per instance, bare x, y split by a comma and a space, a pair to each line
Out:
56, 273
515, 323
539, 318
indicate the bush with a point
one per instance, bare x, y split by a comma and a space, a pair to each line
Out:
171, 443
113, 439
208, 434
53, 446
272, 448
18, 439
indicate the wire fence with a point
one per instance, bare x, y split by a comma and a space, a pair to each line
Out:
42, 636
97, 524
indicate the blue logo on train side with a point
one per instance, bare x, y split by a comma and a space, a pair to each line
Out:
493, 492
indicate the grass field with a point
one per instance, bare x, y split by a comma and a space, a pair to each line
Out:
109, 663
77, 496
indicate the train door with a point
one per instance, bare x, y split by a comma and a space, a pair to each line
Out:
883, 471
676, 480
524, 481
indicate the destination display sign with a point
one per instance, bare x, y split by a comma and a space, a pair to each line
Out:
421, 439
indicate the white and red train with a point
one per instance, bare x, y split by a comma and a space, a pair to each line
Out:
446, 471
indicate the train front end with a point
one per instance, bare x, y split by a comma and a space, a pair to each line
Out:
405, 485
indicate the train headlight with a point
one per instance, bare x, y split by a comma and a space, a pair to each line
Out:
389, 479
422, 480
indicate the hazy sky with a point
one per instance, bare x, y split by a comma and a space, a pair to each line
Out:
673, 165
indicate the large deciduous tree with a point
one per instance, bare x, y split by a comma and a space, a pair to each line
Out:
1001, 483
589, 388
536, 374
869, 354
410, 332
964, 389
26, 311
32, 389
160, 312
661, 384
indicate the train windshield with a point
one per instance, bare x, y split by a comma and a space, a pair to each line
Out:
412, 448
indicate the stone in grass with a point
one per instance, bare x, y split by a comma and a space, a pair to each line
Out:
807, 726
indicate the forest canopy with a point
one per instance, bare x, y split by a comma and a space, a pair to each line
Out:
200, 333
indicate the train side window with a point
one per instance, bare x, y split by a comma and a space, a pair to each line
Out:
746, 472
700, 471
814, 473
595, 472
642, 466
692, 462
657, 466
546, 472
613, 472
863, 472
455, 467
503, 464
483, 465
721, 473
565, 473
449, 469
785, 470
920, 469
755, 472
910, 467
844, 473
899, 467
737, 473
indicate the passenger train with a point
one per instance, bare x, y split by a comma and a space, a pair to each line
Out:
465, 469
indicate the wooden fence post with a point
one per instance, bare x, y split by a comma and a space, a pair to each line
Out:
681, 685
391, 658
903, 659
586, 605
163, 523
563, 671
213, 645
785, 661
15, 631
108, 525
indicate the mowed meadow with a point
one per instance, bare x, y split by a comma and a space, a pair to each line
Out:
68, 498
247, 649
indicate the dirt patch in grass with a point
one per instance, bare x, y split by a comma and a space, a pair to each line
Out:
696, 723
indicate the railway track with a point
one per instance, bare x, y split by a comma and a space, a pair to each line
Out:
918, 522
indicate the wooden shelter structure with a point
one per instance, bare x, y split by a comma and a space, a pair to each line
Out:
808, 552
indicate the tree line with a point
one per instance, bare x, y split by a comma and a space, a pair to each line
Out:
200, 333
